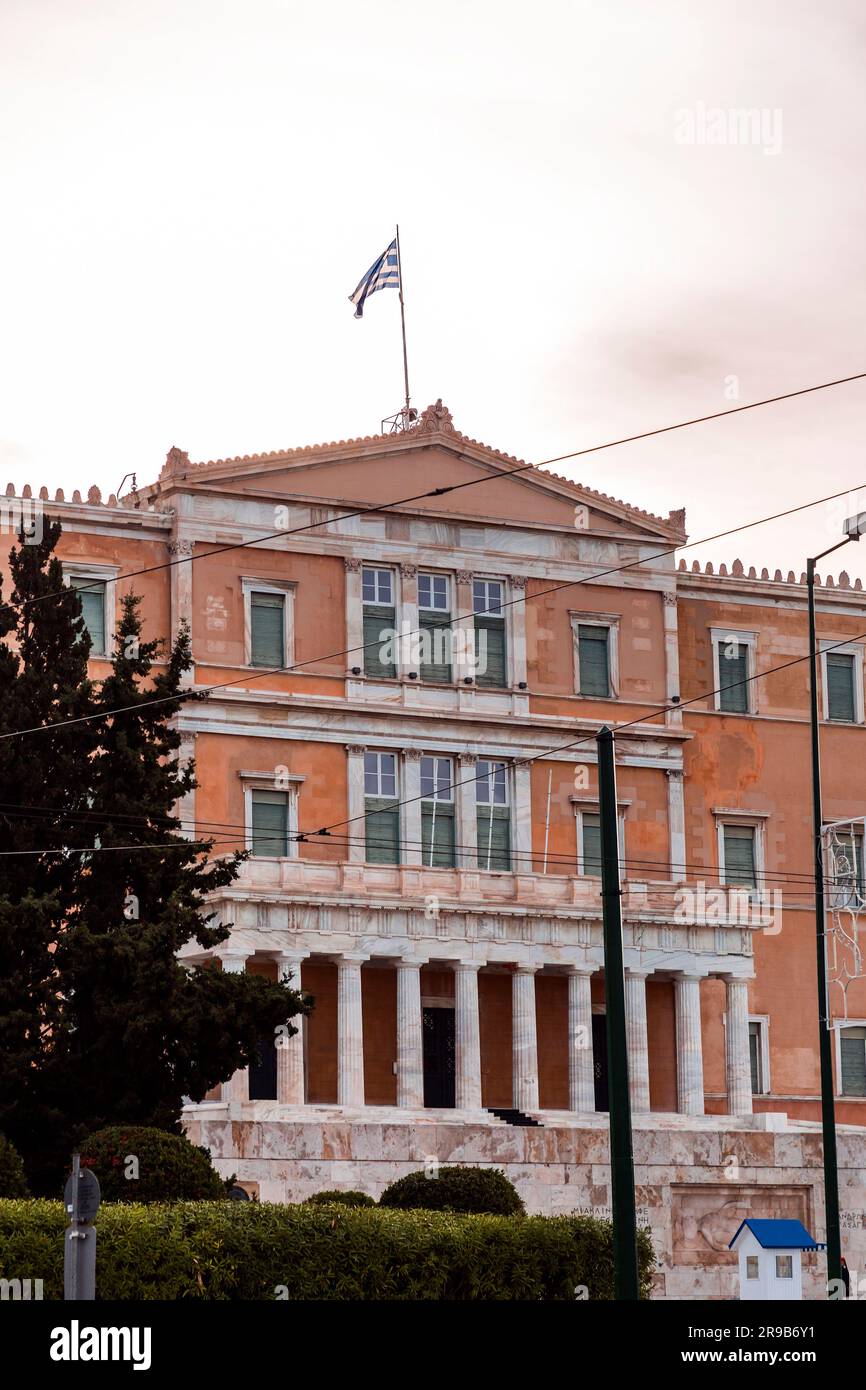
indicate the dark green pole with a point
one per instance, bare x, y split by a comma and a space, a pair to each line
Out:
828, 1108
626, 1285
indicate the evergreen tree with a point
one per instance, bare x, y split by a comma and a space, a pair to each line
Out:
107, 1025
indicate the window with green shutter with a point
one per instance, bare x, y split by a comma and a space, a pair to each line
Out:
755, 1057
840, 687
594, 660
380, 618
267, 629
434, 622
381, 809
739, 850
733, 677
493, 816
853, 1056
591, 844
437, 813
488, 597
91, 594
270, 824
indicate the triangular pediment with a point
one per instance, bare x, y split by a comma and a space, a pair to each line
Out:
409, 469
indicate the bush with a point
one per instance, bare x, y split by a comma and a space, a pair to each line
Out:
481, 1190
349, 1198
12, 1180
168, 1168
247, 1250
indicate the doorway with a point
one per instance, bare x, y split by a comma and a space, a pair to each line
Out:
439, 1059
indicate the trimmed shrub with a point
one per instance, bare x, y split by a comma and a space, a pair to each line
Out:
481, 1190
12, 1180
249, 1250
349, 1198
167, 1167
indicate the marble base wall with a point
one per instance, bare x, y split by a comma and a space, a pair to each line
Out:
694, 1186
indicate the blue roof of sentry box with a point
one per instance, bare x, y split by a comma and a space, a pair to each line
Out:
779, 1235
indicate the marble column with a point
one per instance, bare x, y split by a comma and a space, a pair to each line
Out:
690, 1059
237, 1088
518, 629
290, 1050
350, 1032
355, 830
409, 646
468, 1036
410, 1040
738, 1066
524, 1040
676, 824
581, 1068
636, 1039
411, 795
467, 811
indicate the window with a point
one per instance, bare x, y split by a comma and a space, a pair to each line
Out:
270, 823
841, 704
784, 1266
755, 1058
493, 816
590, 841
733, 677
437, 813
377, 590
434, 622
593, 660
738, 855
381, 811
92, 594
852, 1046
845, 869
753, 1267
267, 628
488, 597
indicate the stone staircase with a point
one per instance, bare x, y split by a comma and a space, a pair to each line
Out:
513, 1117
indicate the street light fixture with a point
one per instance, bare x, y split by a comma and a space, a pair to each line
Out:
854, 528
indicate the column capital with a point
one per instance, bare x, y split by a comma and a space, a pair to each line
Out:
412, 962
408, 571
234, 961
412, 755
518, 581
674, 772
352, 565
573, 968
356, 748
464, 576
637, 972
289, 957
469, 758
352, 957
467, 965
527, 968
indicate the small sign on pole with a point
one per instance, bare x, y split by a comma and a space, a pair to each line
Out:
81, 1200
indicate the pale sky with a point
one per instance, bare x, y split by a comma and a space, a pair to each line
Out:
192, 188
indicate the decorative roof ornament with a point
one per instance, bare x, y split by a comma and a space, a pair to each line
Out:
176, 461
436, 419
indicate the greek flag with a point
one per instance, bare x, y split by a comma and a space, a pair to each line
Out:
383, 274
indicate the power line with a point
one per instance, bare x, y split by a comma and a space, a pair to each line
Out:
199, 691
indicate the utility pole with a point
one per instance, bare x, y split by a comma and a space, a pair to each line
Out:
626, 1283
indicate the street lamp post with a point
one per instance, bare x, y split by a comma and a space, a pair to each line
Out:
854, 528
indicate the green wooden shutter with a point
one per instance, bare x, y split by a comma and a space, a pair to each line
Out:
740, 855
443, 847
840, 686
498, 837
270, 814
91, 593
382, 830
853, 1051
435, 633
733, 697
592, 845
379, 626
267, 629
753, 1058
593, 656
490, 651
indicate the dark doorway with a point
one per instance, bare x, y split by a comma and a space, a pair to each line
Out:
263, 1074
439, 1092
599, 1060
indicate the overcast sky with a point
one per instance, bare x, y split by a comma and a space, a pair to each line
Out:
191, 189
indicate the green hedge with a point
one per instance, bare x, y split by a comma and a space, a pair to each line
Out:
247, 1250
166, 1166
458, 1188
345, 1197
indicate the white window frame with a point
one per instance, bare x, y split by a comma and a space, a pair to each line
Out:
100, 574
435, 574
610, 621
839, 1027
508, 805
272, 782
378, 602
509, 797
447, 793
743, 819
592, 808
722, 636
506, 614
287, 588
854, 649
763, 1022
378, 754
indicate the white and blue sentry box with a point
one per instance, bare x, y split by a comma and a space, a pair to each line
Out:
771, 1255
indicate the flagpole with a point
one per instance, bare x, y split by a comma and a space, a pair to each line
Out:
403, 326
